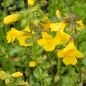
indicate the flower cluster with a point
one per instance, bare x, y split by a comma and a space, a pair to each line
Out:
49, 43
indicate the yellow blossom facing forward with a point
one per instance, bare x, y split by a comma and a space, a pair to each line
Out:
31, 2
12, 35
11, 18
81, 25
57, 26
62, 37
32, 64
58, 14
69, 54
47, 41
17, 74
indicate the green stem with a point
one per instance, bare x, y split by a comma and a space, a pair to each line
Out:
49, 8
80, 70
59, 65
21, 4
5, 10
42, 83
5, 40
5, 13
69, 74
79, 60
52, 7
59, 70
51, 68
34, 45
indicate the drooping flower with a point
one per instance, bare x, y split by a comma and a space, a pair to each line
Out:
46, 25
12, 35
11, 18
32, 64
31, 2
58, 14
57, 26
69, 54
81, 25
47, 41
17, 74
62, 37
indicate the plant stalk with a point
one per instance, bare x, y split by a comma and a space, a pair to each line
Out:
5, 40
59, 70
34, 45
79, 60
69, 74
51, 68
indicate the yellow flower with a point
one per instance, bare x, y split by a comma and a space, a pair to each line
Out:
81, 25
58, 14
62, 37
32, 64
3, 75
57, 26
47, 41
69, 54
17, 74
31, 2
46, 25
22, 38
11, 18
11, 35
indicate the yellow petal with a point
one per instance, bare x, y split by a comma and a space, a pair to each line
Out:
46, 25
62, 37
31, 2
11, 35
27, 29
81, 25
70, 46
78, 54
79, 28
58, 14
70, 60
17, 74
57, 26
32, 64
49, 47
45, 35
11, 18
60, 53
40, 42
22, 40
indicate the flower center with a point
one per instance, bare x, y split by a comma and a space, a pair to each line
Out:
48, 40
70, 53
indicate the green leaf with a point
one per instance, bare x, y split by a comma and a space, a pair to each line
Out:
33, 81
2, 49
47, 81
84, 62
38, 72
